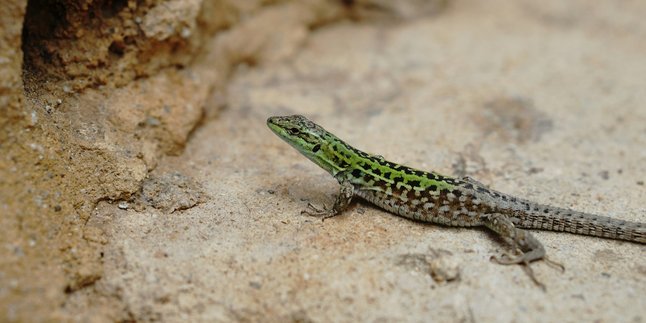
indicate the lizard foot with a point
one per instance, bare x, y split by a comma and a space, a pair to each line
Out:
341, 203
313, 210
523, 259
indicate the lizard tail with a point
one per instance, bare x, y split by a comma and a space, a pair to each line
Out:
545, 217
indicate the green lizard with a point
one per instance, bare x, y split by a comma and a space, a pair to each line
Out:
432, 197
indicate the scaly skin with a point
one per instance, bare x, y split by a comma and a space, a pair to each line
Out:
431, 197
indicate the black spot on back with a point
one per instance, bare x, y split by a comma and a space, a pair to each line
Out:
381, 183
407, 171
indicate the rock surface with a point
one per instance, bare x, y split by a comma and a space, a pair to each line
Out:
105, 89
543, 100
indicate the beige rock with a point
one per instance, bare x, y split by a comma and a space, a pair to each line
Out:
539, 99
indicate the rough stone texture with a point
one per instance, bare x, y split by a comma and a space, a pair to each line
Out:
105, 89
170, 192
533, 107
540, 99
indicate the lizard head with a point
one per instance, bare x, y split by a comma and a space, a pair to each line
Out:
308, 138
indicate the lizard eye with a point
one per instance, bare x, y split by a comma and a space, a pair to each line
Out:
294, 131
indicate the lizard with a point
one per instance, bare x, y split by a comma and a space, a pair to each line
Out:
428, 196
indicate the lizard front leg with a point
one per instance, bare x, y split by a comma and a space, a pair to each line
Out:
343, 199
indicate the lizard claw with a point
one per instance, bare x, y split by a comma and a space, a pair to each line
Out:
521, 259
554, 264
316, 210
524, 258
313, 210
507, 259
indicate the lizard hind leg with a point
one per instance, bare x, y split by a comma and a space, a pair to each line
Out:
530, 249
